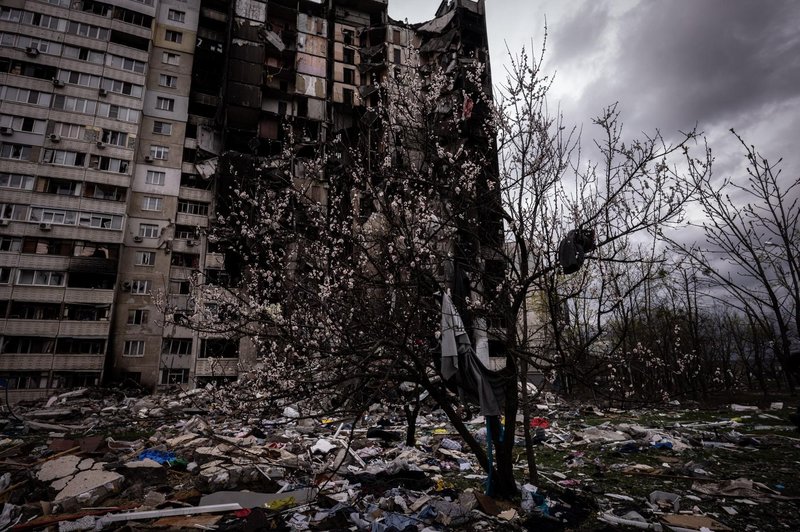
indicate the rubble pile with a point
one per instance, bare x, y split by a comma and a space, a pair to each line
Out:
95, 460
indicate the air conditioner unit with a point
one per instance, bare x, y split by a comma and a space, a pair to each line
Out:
148, 159
137, 238
192, 243
45, 226
31, 51
54, 137
57, 83
102, 92
6, 130
4, 222
101, 144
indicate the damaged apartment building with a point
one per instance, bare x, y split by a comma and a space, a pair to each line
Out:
113, 116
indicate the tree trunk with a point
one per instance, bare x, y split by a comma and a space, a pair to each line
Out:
530, 455
411, 421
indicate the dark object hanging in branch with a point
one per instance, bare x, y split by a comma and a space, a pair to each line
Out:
572, 249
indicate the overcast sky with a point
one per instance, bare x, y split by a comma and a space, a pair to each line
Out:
670, 64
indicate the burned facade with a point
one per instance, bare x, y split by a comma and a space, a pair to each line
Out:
115, 117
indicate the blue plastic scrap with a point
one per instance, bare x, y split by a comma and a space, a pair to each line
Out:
162, 457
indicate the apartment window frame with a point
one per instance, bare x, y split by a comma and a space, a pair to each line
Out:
159, 153
168, 80
174, 376
173, 36
193, 208
140, 287
165, 104
133, 348
145, 258
149, 230
176, 15
177, 346
152, 203
155, 177
171, 58
138, 316
162, 128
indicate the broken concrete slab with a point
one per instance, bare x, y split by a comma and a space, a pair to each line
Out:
89, 487
59, 468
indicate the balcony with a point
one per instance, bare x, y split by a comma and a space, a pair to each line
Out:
217, 367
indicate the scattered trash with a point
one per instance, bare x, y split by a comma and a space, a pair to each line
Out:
199, 459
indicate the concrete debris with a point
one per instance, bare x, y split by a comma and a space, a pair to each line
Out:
93, 460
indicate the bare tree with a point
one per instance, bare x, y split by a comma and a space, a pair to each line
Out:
751, 252
343, 248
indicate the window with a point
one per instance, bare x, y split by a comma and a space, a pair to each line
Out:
349, 56
348, 35
78, 105
28, 344
150, 203
154, 177
40, 278
185, 232
176, 346
162, 128
115, 138
122, 87
19, 152
176, 16
53, 216
68, 131
173, 36
5, 275
350, 76
148, 230
26, 124
14, 94
396, 37
133, 348
140, 287
110, 164
398, 56
185, 260
191, 207
100, 221
12, 15
145, 258
174, 376
124, 114
64, 158
165, 80
348, 95
61, 187
43, 21
84, 54
10, 244
125, 63
87, 30
165, 104
79, 78
159, 152
169, 58
132, 17
11, 211
137, 317
78, 312
23, 41
219, 348
24, 182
